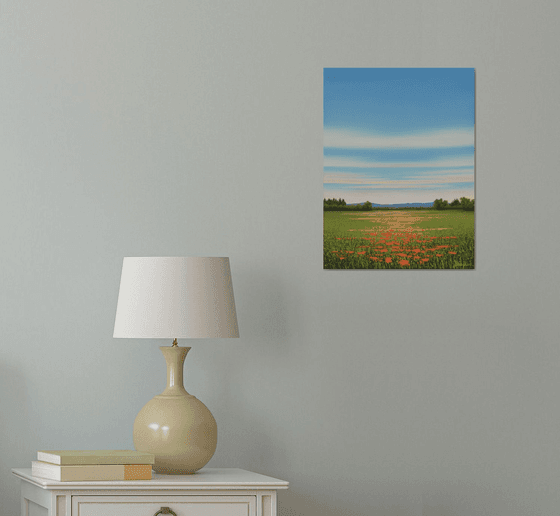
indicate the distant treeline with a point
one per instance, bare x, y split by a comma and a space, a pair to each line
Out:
458, 204
340, 205
439, 204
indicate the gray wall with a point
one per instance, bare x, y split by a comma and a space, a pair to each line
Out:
171, 128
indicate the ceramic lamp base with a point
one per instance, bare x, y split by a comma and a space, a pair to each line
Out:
175, 426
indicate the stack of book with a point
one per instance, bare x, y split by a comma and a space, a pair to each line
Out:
81, 465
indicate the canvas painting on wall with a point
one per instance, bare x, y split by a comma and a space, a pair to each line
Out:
399, 168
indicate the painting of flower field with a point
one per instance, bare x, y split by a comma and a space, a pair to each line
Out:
398, 168
399, 239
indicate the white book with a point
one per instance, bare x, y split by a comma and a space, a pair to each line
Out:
91, 472
76, 457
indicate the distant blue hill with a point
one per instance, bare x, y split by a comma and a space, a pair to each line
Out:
407, 205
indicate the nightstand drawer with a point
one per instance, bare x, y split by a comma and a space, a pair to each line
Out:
150, 505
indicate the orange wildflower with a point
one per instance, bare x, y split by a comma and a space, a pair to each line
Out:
452, 252
362, 252
404, 262
388, 260
424, 259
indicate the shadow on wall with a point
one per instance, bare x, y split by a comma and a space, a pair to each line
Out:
266, 313
267, 309
17, 436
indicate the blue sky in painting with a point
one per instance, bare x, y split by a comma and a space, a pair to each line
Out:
398, 135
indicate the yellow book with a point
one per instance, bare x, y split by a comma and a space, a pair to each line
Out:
73, 473
85, 457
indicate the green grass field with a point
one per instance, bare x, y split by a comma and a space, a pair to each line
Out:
398, 239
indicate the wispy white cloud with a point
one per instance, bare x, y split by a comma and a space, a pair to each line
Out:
403, 185
351, 139
359, 180
344, 162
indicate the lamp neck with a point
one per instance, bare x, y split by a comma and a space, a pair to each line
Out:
175, 358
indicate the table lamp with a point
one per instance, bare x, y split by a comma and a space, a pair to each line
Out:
174, 298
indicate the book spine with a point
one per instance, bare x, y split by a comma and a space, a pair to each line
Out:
137, 471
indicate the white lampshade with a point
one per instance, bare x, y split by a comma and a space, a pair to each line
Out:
168, 298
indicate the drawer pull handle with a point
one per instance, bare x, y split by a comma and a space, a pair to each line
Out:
165, 510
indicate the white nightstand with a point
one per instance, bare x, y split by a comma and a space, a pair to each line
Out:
209, 492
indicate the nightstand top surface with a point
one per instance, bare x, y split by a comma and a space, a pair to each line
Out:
206, 478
